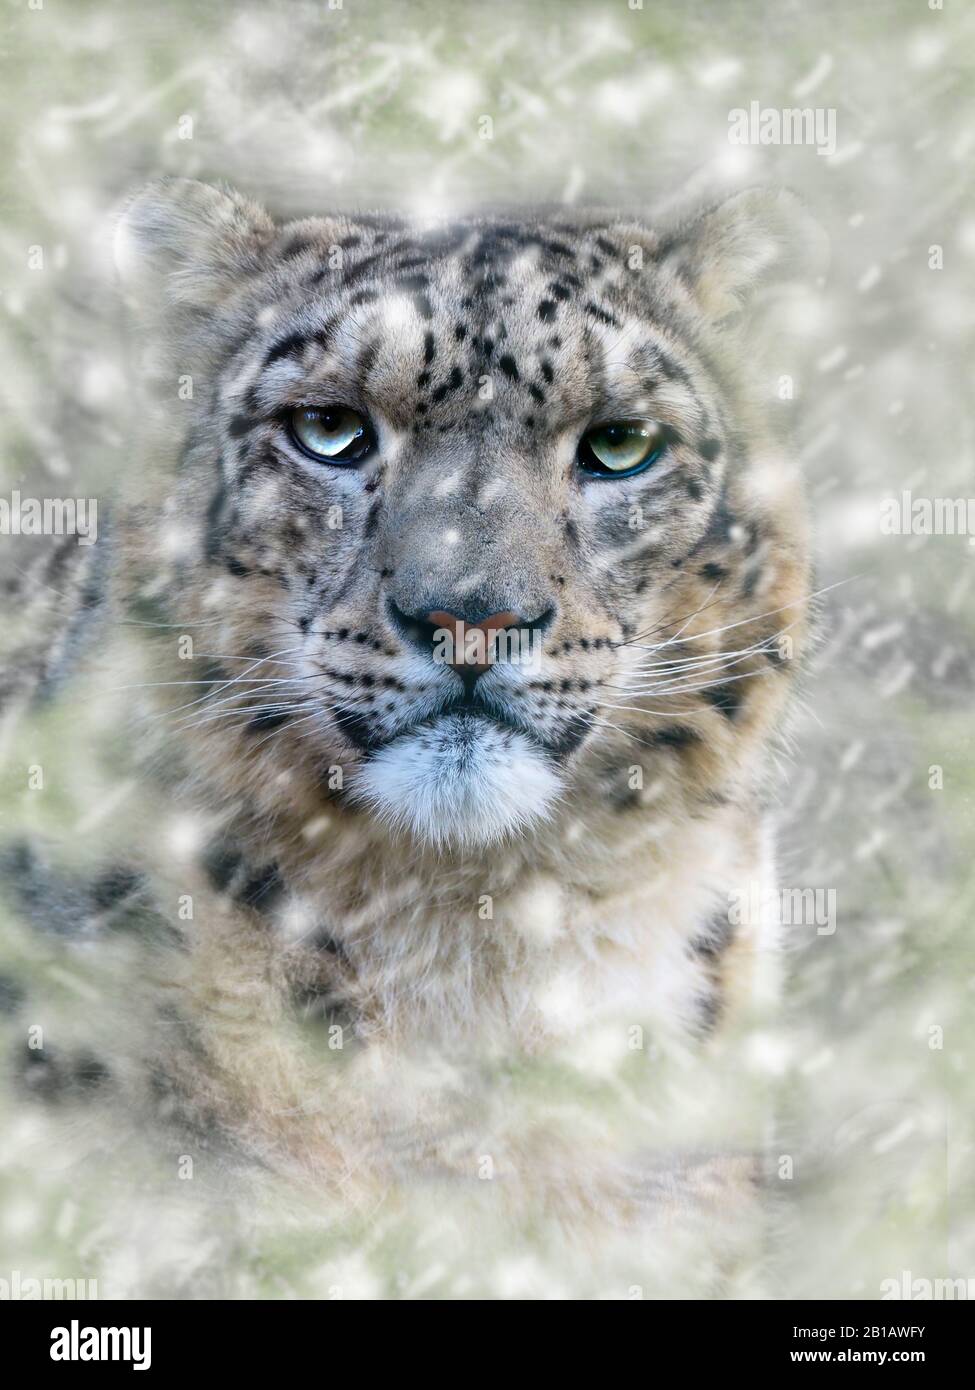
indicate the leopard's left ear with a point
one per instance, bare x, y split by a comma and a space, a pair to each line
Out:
730, 252
180, 242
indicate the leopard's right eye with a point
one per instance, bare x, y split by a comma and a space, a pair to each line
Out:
331, 434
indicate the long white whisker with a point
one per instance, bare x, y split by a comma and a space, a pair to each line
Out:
743, 622
245, 713
685, 689
667, 683
219, 687
701, 663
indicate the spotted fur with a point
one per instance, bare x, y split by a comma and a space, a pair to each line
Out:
509, 867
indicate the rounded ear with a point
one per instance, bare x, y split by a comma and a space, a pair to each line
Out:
756, 238
183, 242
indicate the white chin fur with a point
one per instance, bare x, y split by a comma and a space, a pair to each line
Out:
461, 781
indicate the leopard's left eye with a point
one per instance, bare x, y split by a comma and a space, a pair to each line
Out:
334, 434
621, 448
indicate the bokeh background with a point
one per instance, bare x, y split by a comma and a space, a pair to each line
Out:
382, 104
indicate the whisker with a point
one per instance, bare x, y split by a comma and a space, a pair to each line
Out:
595, 723
292, 724
252, 688
700, 663
246, 714
664, 713
685, 689
669, 622
242, 679
705, 668
743, 622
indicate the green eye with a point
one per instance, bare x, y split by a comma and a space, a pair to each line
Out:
621, 448
334, 434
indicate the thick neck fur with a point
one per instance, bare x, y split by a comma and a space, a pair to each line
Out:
611, 912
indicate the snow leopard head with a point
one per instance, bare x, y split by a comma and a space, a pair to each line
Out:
472, 519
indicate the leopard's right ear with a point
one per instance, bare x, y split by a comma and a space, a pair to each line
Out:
184, 243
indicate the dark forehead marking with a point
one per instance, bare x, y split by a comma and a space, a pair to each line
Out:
367, 357
504, 240
294, 342
294, 246
442, 241
662, 365
493, 245
359, 268
394, 256
382, 221
672, 369
455, 380
240, 425
603, 315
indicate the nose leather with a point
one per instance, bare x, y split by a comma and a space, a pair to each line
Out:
491, 627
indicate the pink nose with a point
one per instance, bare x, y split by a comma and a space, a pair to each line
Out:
465, 653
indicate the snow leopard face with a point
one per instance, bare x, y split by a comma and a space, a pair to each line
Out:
484, 516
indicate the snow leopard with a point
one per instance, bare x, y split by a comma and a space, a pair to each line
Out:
463, 568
